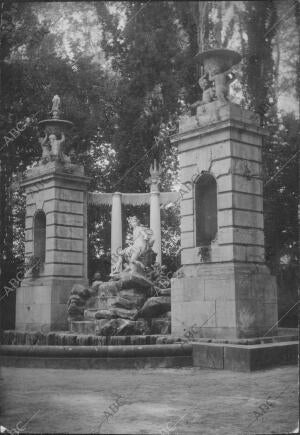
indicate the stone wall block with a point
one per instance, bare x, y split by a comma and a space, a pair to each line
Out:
187, 223
66, 232
69, 195
240, 201
68, 207
243, 184
249, 253
251, 139
64, 257
225, 313
248, 219
225, 218
187, 207
187, 240
186, 174
36, 295
221, 253
59, 218
222, 288
68, 270
28, 222
64, 244
244, 151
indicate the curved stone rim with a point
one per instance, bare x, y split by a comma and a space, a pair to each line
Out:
55, 122
233, 56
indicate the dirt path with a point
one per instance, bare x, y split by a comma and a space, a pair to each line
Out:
192, 401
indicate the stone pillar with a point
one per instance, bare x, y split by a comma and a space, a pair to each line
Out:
116, 224
224, 286
154, 182
56, 212
155, 223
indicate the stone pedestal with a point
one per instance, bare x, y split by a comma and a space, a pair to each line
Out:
224, 288
59, 193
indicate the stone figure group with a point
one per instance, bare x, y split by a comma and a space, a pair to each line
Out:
53, 148
215, 86
142, 243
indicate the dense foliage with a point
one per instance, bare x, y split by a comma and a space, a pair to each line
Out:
125, 72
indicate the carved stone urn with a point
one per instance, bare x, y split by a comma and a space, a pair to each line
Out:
218, 60
216, 77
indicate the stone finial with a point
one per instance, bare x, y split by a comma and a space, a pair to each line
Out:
154, 179
55, 107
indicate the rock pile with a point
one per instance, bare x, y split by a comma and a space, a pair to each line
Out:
132, 304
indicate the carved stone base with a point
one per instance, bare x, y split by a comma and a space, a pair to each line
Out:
42, 303
224, 301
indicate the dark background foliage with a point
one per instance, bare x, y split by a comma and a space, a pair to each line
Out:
125, 96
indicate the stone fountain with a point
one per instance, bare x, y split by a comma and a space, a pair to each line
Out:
53, 142
136, 301
56, 230
216, 66
225, 286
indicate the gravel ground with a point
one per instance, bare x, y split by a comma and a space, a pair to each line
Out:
189, 400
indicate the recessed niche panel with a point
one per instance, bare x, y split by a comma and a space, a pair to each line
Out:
206, 209
39, 235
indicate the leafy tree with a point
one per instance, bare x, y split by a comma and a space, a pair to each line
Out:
264, 78
31, 72
144, 55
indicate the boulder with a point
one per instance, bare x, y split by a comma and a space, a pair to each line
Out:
161, 326
77, 301
135, 297
110, 288
166, 315
134, 280
113, 313
80, 290
100, 324
121, 302
142, 327
75, 307
75, 313
164, 292
105, 314
124, 314
155, 307
117, 327
92, 302
95, 285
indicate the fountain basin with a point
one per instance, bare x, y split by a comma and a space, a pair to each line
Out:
222, 59
55, 126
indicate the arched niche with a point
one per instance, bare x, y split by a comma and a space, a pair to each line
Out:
39, 235
206, 209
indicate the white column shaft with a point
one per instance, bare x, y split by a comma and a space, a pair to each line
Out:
155, 223
116, 224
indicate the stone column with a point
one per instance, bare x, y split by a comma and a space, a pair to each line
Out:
116, 224
56, 232
155, 223
154, 182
